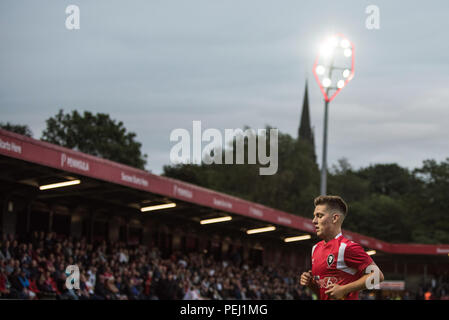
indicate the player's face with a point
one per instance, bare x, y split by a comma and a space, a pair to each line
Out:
322, 221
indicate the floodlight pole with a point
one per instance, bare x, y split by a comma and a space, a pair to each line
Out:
324, 161
323, 185
326, 50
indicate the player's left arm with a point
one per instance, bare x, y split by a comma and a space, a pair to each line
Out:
340, 291
358, 259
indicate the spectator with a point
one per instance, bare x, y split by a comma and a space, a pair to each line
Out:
193, 294
4, 285
6, 254
428, 295
33, 285
36, 269
100, 289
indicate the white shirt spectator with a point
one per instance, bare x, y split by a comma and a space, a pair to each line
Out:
192, 295
92, 277
123, 258
183, 263
89, 287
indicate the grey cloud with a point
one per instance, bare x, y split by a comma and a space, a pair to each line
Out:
159, 65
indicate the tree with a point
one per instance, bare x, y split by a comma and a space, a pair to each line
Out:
95, 134
345, 182
385, 201
17, 128
291, 189
381, 217
429, 202
388, 179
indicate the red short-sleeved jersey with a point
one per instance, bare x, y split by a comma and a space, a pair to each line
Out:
339, 261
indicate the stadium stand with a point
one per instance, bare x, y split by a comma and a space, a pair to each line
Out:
35, 269
125, 254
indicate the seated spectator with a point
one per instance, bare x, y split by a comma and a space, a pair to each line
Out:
33, 285
23, 279
50, 283
14, 250
100, 289
111, 288
193, 293
2, 256
135, 289
4, 285
5, 251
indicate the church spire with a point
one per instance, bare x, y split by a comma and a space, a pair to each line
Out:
305, 130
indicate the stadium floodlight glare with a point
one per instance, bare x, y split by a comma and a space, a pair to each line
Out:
333, 41
345, 43
298, 238
348, 52
371, 252
320, 70
340, 84
326, 50
158, 207
326, 82
260, 230
59, 184
216, 220
335, 53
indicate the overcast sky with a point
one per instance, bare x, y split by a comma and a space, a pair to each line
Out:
159, 65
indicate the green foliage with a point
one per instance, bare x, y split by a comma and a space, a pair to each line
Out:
291, 189
430, 201
345, 182
380, 216
95, 134
385, 201
387, 179
17, 128
391, 203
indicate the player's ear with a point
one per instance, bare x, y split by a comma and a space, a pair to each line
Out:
336, 217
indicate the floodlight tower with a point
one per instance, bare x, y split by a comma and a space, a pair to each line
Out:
333, 69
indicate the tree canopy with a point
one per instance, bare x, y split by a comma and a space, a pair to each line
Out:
290, 189
17, 128
95, 134
386, 201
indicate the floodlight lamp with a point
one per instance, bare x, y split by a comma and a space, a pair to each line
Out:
345, 44
326, 50
320, 70
340, 84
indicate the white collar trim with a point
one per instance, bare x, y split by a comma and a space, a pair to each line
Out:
338, 235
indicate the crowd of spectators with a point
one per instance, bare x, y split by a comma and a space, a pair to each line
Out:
36, 269
435, 288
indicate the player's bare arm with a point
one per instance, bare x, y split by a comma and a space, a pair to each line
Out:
308, 281
336, 291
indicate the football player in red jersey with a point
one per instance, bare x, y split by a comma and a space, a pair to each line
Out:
340, 267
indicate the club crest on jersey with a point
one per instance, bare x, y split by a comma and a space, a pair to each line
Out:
330, 260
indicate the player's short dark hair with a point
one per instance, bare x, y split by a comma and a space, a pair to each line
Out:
332, 203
